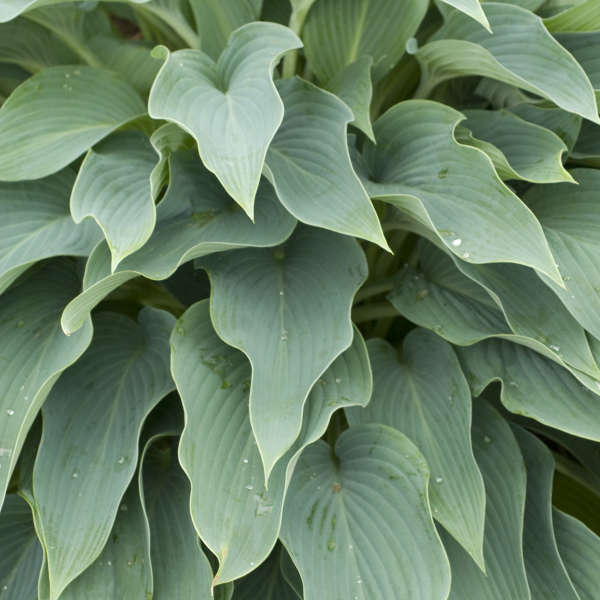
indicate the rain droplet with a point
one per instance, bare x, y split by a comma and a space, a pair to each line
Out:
129, 563
26, 398
75, 475
487, 439
4, 587
21, 388
350, 547
245, 461
123, 507
554, 347
439, 480
466, 255
109, 563
457, 242
121, 460
249, 487
10, 412
67, 75
338, 380
281, 293
251, 564
359, 581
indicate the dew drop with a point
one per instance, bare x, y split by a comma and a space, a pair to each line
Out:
457, 242
67, 75
4, 587
129, 563
21, 388
439, 480
121, 460
249, 487
245, 461
554, 347
75, 475
251, 564
359, 581
466, 255
338, 380
109, 563
487, 439
26, 398
123, 507
10, 412
281, 293
350, 547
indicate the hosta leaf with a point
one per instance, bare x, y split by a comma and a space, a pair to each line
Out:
358, 524
582, 16
462, 47
56, 115
10, 77
73, 25
266, 582
92, 420
418, 166
217, 19
166, 140
546, 572
533, 386
234, 513
291, 327
180, 568
132, 60
466, 303
196, 217
21, 557
309, 164
564, 124
113, 187
337, 32
425, 396
570, 216
123, 568
36, 224
583, 46
32, 47
503, 470
580, 550
353, 85
472, 8
532, 151
170, 21
231, 107
34, 352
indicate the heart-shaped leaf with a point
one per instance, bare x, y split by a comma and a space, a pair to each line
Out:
300, 329
231, 107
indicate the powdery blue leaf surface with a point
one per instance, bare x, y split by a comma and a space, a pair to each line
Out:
235, 514
520, 52
195, 218
231, 107
89, 446
36, 224
578, 17
309, 164
451, 189
179, 566
472, 8
123, 569
533, 152
21, 557
570, 216
113, 187
533, 386
337, 32
288, 309
503, 470
546, 572
424, 395
580, 550
56, 115
354, 86
34, 352
357, 523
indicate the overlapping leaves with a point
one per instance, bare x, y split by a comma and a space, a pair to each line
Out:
274, 145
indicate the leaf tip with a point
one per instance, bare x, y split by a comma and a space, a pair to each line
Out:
160, 52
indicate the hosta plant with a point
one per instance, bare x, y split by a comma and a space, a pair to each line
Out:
300, 300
